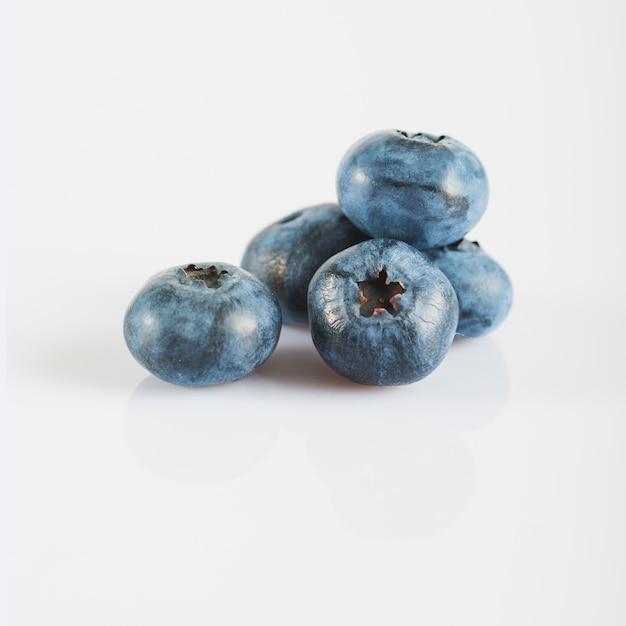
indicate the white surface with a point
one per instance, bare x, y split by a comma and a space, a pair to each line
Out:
145, 135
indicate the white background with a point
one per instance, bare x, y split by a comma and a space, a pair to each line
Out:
142, 135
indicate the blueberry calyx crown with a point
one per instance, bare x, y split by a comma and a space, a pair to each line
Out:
424, 137
378, 294
456, 245
210, 277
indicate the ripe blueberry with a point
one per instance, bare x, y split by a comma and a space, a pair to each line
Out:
482, 287
381, 313
428, 191
202, 324
286, 254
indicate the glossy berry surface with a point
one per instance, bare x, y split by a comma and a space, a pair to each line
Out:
381, 313
482, 287
202, 324
426, 190
286, 254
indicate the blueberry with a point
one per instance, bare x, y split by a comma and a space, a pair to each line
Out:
286, 254
381, 313
202, 324
482, 287
428, 191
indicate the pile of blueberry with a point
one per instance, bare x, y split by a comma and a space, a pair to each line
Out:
384, 279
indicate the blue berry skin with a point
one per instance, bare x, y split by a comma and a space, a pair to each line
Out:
482, 287
381, 313
286, 254
202, 324
426, 190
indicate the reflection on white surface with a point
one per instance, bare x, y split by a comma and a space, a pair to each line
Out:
475, 386
186, 436
395, 461
393, 478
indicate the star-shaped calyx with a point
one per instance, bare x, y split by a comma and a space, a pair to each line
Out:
378, 294
210, 276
